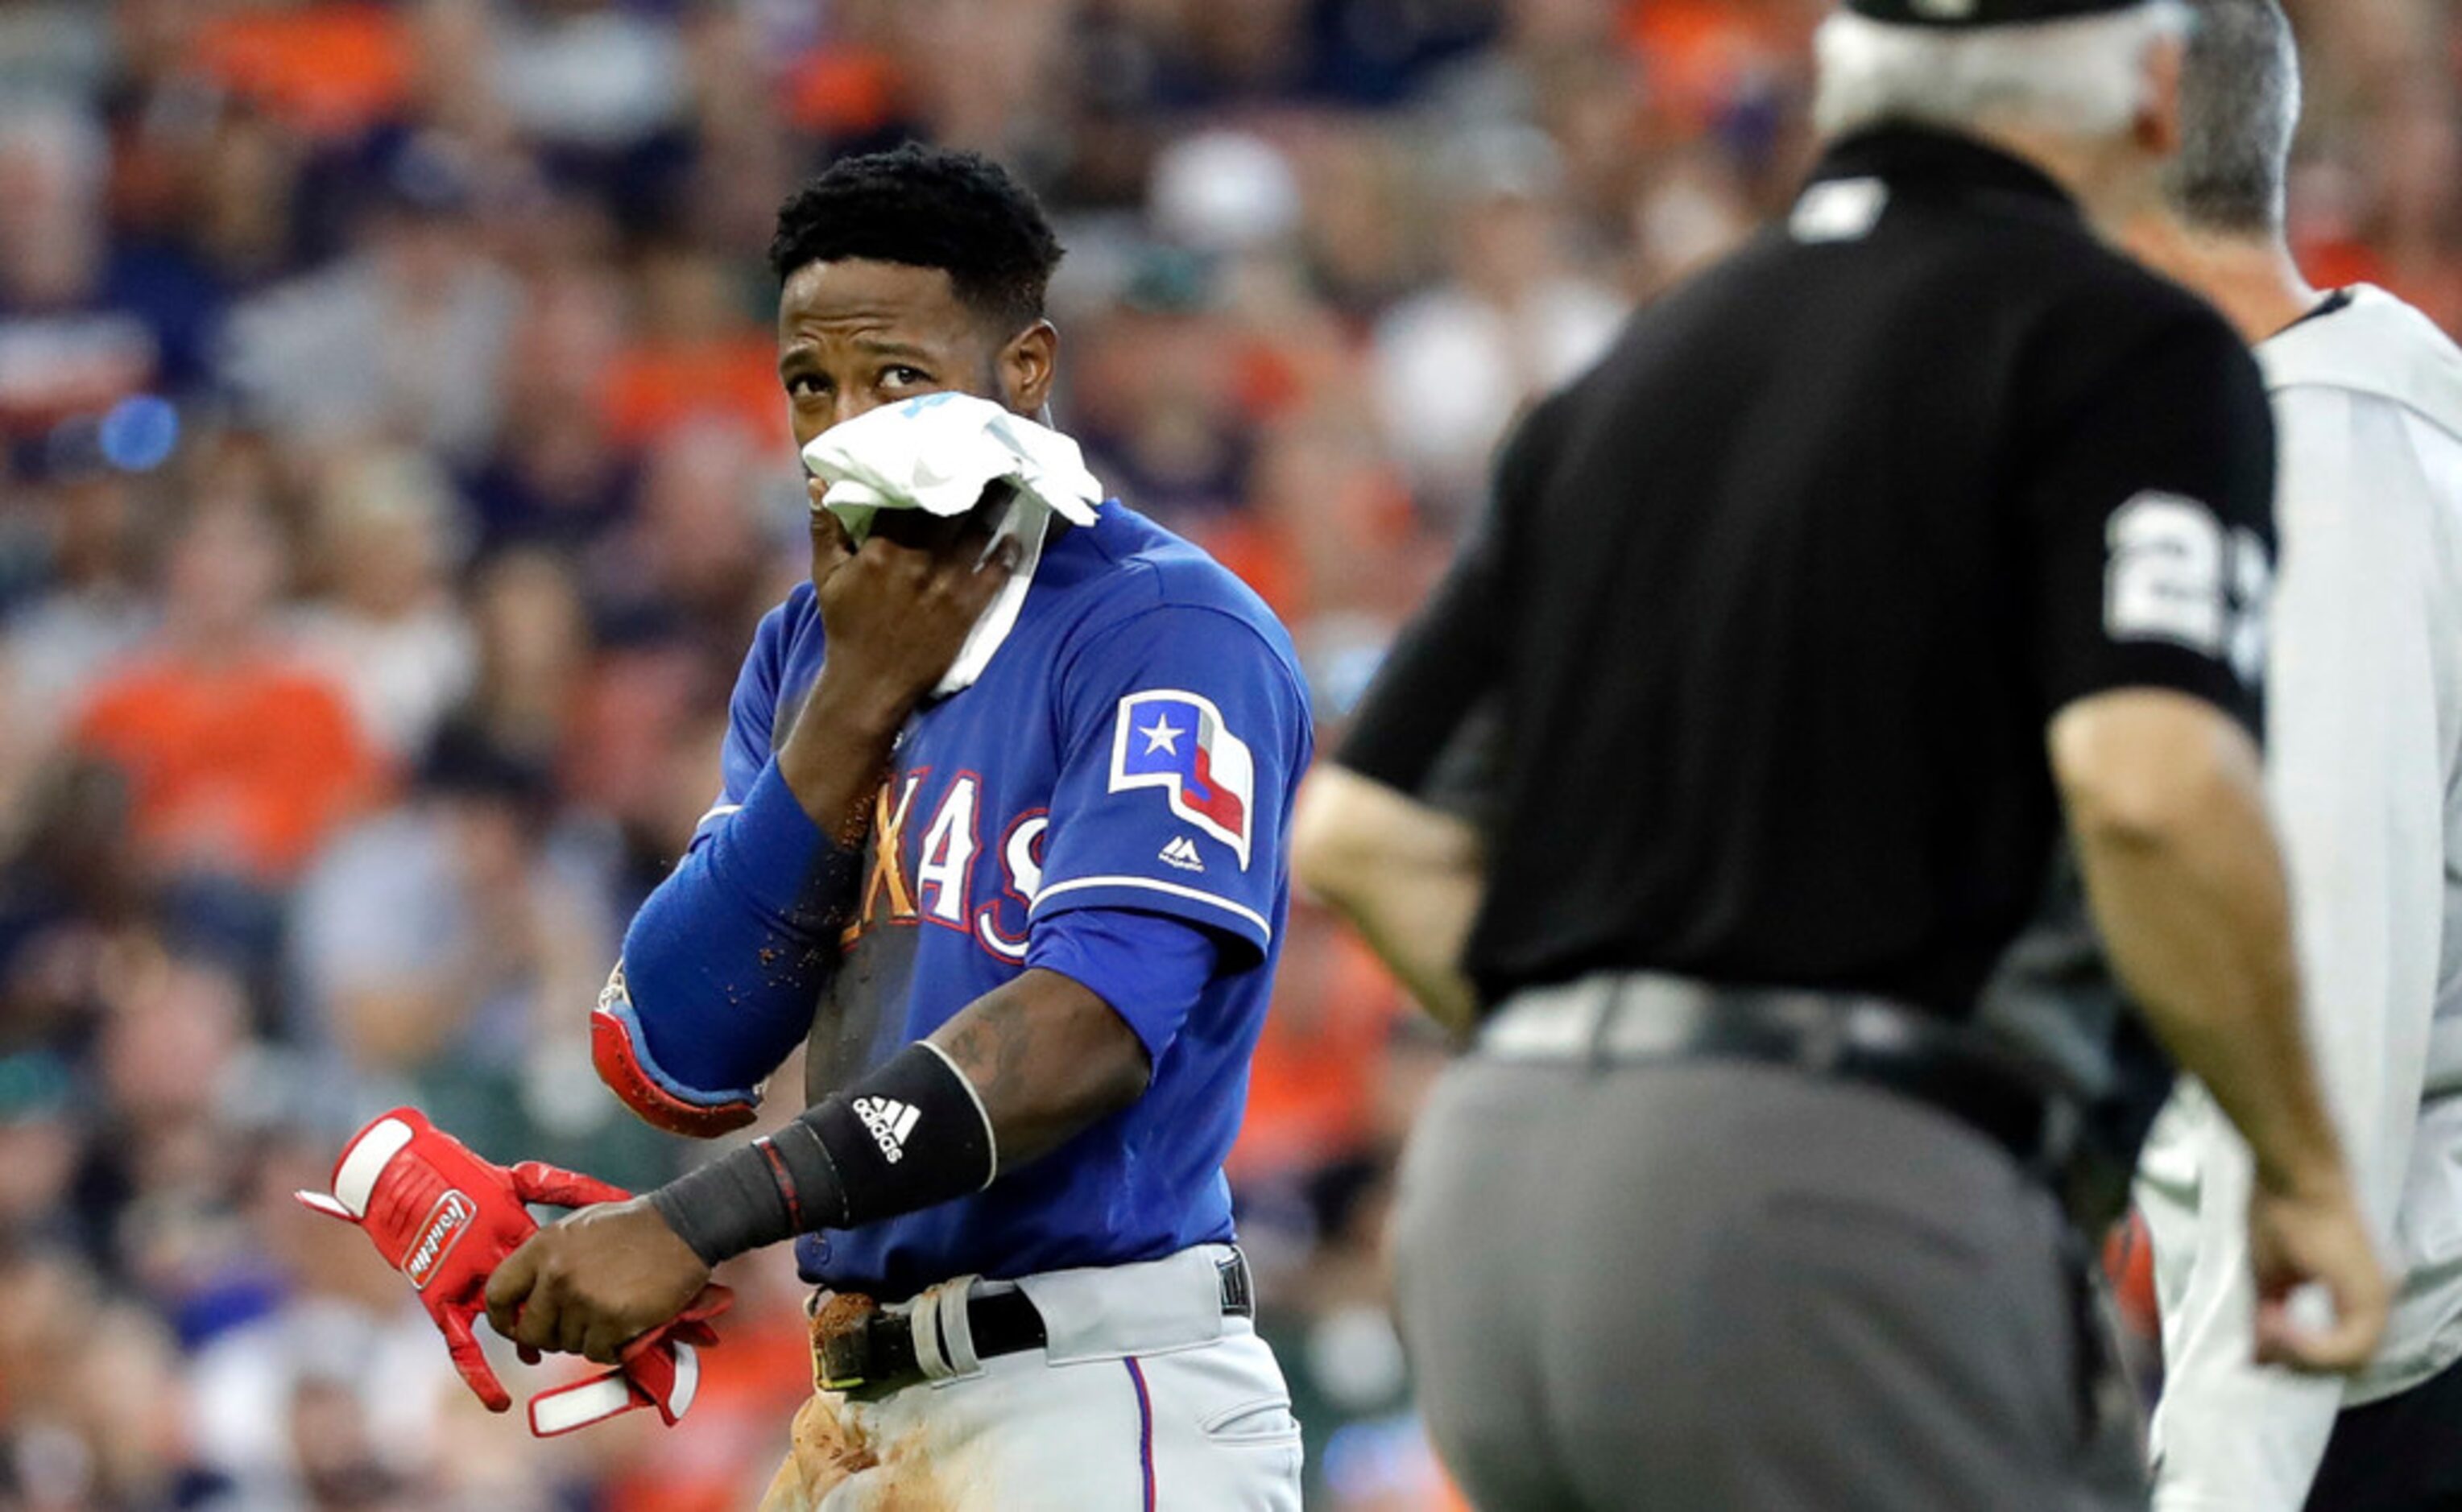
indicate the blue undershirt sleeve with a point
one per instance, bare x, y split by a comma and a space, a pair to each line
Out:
725, 962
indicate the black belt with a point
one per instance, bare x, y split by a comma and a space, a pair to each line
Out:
868, 1351
1918, 1056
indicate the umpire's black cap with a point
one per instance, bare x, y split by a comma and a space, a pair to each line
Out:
1982, 12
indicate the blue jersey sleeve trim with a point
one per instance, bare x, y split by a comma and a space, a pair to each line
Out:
1121, 891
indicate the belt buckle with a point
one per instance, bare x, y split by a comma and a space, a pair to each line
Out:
842, 1341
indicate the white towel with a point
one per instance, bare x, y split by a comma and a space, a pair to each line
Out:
938, 454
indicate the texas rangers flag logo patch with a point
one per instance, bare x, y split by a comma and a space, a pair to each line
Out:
1176, 741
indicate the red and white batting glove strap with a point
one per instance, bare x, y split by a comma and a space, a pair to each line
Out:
665, 1377
661, 1369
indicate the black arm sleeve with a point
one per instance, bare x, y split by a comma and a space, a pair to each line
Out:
908, 1134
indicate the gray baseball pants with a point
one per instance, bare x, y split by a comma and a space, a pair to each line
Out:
1695, 1285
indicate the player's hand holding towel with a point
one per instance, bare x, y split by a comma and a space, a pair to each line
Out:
940, 454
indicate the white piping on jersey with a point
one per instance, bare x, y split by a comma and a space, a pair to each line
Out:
1174, 889
716, 811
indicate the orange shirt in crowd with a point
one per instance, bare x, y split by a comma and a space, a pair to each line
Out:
654, 388
841, 90
239, 769
1697, 51
327, 69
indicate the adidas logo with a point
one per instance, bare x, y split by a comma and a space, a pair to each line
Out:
890, 1121
1182, 853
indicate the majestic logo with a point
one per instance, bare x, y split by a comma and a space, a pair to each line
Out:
1176, 741
1181, 853
443, 1227
890, 1121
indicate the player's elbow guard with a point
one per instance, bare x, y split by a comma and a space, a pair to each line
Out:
619, 1051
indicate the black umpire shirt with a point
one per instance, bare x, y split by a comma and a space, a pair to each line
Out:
1777, 601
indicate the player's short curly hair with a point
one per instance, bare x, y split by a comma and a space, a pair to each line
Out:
926, 208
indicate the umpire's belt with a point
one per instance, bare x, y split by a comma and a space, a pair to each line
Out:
1621, 1018
869, 1349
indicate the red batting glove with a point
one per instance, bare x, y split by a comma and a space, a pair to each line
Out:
445, 1219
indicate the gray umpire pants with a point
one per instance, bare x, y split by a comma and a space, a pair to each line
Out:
1693, 1285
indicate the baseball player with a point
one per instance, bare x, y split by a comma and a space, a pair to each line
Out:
2365, 754
1025, 929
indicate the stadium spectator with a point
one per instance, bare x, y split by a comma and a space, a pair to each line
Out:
403, 336
241, 758
387, 632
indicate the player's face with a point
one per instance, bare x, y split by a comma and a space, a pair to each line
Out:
857, 334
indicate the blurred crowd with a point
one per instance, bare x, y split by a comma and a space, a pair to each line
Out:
394, 472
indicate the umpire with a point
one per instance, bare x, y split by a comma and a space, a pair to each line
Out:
1876, 636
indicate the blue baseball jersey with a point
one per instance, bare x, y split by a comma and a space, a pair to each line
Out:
1134, 745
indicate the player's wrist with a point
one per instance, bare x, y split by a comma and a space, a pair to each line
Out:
731, 1205
2297, 1153
907, 1135
838, 754
2307, 1177
860, 707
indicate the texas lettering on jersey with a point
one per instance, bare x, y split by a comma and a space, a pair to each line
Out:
924, 870
926, 874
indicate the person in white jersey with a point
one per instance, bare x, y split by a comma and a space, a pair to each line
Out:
2364, 753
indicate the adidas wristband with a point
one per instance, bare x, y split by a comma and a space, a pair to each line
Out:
907, 1136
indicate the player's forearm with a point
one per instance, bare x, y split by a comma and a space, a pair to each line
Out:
727, 960
838, 753
2187, 887
1408, 877
1017, 1073
1047, 1057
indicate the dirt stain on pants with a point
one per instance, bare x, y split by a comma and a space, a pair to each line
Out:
833, 1465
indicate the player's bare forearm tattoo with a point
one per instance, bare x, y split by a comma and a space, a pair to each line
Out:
991, 1047
1047, 1058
